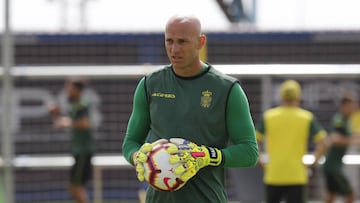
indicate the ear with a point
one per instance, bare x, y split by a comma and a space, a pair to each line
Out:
202, 41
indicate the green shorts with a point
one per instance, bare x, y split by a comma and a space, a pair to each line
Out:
288, 193
337, 183
81, 171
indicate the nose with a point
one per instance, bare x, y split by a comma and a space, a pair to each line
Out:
174, 48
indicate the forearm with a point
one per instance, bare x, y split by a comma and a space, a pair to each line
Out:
241, 155
63, 122
129, 149
262, 158
134, 138
355, 139
83, 123
135, 135
320, 150
339, 140
67, 122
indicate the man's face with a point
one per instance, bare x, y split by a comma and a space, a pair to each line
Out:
72, 92
182, 46
348, 108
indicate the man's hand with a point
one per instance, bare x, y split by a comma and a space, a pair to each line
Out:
54, 110
63, 122
58, 120
140, 157
339, 140
193, 158
262, 160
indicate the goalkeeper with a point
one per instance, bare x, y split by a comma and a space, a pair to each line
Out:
191, 100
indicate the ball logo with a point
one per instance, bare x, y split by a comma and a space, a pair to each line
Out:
166, 182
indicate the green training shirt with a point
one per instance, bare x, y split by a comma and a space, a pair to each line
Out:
207, 109
81, 139
341, 126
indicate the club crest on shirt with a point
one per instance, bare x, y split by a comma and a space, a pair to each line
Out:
206, 98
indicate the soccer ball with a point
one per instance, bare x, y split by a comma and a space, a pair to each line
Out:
159, 173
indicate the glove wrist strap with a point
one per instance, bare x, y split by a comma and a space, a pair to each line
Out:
215, 156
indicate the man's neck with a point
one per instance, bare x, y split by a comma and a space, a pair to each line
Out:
190, 71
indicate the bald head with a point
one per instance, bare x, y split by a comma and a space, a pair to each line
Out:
183, 41
191, 23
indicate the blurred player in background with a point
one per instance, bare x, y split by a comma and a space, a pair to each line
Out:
1, 191
355, 120
191, 100
78, 121
286, 130
340, 134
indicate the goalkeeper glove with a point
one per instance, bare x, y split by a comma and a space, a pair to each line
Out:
193, 158
140, 157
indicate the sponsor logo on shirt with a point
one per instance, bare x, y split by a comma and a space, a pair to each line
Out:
163, 95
